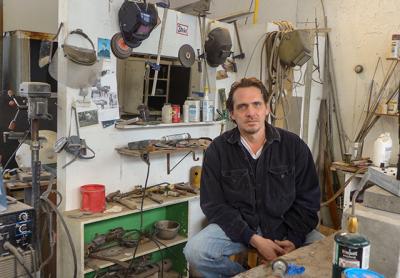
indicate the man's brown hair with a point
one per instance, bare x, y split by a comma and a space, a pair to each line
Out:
245, 83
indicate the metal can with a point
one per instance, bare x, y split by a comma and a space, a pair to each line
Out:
350, 250
176, 113
207, 110
395, 49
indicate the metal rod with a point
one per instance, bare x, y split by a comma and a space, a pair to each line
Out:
367, 123
35, 194
160, 45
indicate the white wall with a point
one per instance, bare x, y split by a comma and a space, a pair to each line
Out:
109, 167
360, 34
31, 15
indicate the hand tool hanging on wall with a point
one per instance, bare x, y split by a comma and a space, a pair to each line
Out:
160, 45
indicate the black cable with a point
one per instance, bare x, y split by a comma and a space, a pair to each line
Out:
54, 208
146, 159
176, 257
13, 154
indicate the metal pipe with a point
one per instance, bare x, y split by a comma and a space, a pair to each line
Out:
255, 15
35, 165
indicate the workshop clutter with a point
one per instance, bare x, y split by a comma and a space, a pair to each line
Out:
166, 229
93, 198
193, 110
118, 242
157, 193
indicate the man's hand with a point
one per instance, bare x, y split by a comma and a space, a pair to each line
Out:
287, 245
268, 249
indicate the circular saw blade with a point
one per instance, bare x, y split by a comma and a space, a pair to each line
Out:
186, 55
119, 47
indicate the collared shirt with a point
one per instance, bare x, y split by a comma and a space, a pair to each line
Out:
248, 148
281, 195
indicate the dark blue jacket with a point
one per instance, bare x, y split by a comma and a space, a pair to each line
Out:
281, 196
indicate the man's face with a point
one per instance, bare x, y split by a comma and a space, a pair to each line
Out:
249, 110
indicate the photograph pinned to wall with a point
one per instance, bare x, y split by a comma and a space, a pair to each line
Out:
103, 48
104, 94
87, 116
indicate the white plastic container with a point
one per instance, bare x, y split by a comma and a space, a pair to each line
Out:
382, 149
186, 113
207, 110
194, 110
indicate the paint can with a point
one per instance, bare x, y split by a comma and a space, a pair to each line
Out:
194, 110
351, 250
176, 113
207, 108
395, 49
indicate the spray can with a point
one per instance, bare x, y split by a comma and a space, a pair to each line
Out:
176, 113
350, 250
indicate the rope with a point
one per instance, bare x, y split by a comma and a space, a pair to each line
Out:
275, 72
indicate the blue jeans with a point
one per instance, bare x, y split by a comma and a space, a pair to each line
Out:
208, 252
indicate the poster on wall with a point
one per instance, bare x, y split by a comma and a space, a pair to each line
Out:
104, 94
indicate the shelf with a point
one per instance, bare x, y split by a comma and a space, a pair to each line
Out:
157, 96
147, 205
390, 115
118, 126
138, 153
143, 249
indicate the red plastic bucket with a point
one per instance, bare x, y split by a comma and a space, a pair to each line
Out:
93, 198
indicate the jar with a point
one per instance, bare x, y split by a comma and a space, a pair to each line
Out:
166, 113
392, 107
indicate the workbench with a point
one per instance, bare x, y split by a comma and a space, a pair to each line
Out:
316, 259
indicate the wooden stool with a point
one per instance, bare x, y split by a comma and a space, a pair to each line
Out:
250, 256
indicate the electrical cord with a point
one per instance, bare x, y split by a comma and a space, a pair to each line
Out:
342, 188
147, 161
13, 154
54, 208
8, 246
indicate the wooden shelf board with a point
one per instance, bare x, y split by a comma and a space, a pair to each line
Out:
137, 153
147, 205
143, 249
168, 125
390, 115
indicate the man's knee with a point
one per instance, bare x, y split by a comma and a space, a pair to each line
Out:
198, 251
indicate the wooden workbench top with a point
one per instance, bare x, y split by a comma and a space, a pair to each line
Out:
316, 258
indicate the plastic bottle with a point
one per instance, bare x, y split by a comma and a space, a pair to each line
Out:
3, 194
382, 149
186, 112
166, 113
